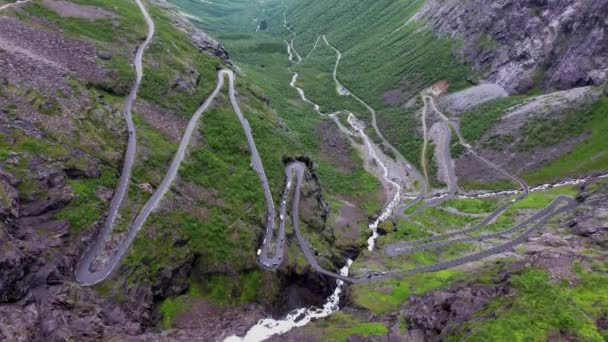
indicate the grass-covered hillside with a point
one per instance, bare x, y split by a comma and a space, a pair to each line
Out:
388, 58
262, 57
385, 57
209, 226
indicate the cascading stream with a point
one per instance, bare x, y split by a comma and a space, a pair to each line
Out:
269, 327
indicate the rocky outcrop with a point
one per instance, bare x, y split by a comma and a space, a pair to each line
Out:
13, 266
591, 220
38, 300
434, 312
201, 39
9, 197
557, 44
51, 49
313, 205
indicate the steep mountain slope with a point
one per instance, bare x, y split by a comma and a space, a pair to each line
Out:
458, 55
486, 74
393, 50
523, 44
66, 72
407, 46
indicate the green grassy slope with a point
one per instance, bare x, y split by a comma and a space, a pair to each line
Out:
262, 58
591, 156
220, 226
588, 157
539, 309
380, 52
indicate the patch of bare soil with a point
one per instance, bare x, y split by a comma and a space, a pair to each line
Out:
402, 96
347, 214
559, 266
470, 168
393, 97
36, 90
162, 120
187, 198
21, 69
217, 318
51, 48
440, 87
335, 147
70, 9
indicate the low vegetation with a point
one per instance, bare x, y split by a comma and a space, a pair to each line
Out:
476, 122
340, 326
473, 205
540, 309
588, 157
87, 206
548, 131
390, 295
221, 290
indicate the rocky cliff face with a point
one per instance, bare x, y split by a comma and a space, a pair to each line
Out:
37, 298
554, 44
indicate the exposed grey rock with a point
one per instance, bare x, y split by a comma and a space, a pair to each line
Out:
201, 39
49, 49
18, 322
461, 101
436, 311
187, 82
105, 55
56, 198
37, 256
13, 265
146, 187
591, 219
518, 44
9, 197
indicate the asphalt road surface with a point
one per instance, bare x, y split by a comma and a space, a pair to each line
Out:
403, 247
83, 273
85, 276
543, 215
298, 169
273, 247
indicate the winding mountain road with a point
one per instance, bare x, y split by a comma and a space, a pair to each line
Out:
405, 247
270, 254
425, 142
541, 217
83, 272
85, 276
537, 216
444, 156
392, 250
